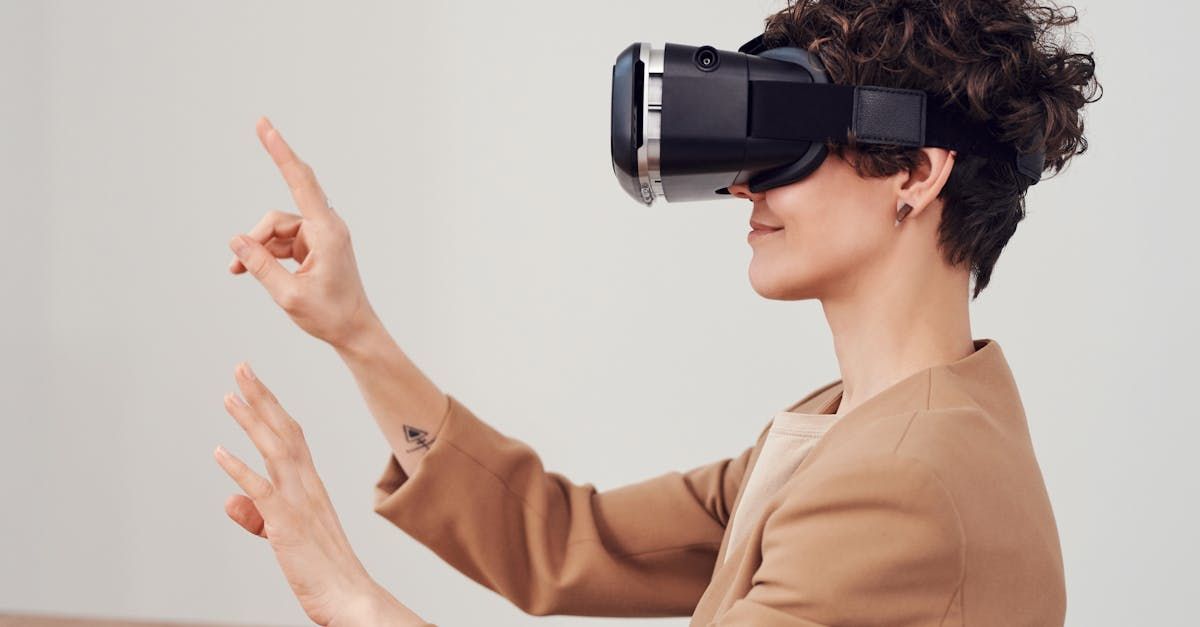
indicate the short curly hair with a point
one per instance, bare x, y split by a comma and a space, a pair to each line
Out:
1007, 63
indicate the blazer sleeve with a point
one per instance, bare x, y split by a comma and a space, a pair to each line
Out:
483, 502
876, 544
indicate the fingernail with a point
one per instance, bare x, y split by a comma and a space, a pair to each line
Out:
239, 244
221, 451
237, 400
248, 372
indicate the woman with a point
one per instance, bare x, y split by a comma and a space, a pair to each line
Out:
905, 492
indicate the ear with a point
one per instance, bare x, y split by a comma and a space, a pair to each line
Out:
921, 185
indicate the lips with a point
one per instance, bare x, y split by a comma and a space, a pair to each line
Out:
759, 226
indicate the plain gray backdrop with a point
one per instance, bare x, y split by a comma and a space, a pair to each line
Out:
466, 145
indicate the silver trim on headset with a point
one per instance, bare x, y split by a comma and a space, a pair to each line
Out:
649, 153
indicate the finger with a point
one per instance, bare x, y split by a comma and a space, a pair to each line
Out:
263, 266
289, 431
278, 248
242, 511
306, 192
261, 491
300, 247
292, 248
283, 426
275, 455
274, 225
281, 248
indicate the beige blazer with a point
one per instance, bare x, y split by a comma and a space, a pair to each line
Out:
924, 505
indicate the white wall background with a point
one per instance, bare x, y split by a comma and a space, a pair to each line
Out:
466, 144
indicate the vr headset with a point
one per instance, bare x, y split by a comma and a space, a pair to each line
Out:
688, 122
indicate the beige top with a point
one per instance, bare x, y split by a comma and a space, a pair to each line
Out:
789, 439
922, 505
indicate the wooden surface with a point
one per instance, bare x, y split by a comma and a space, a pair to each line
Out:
53, 620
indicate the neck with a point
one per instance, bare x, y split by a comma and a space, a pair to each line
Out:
905, 314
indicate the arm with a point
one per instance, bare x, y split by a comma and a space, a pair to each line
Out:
325, 297
406, 405
878, 543
545, 543
372, 605
292, 510
483, 502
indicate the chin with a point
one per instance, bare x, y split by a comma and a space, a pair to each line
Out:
779, 286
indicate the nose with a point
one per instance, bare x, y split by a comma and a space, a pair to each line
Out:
741, 190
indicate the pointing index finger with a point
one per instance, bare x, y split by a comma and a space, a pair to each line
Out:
310, 198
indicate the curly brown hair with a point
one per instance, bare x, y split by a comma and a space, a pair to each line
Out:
1007, 63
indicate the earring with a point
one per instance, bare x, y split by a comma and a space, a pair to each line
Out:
901, 212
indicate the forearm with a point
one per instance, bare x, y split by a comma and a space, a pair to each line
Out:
377, 607
406, 404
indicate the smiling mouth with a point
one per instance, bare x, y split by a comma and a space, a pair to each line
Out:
767, 228
762, 229
757, 233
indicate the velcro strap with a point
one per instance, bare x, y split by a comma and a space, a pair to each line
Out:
888, 115
794, 111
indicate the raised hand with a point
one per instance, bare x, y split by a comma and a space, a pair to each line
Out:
293, 512
325, 295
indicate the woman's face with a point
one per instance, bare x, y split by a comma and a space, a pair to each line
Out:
833, 227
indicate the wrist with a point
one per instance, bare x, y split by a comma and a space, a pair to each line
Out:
373, 606
361, 338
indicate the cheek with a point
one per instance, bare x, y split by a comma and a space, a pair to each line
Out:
829, 230
823, 239
787, 263
787, 267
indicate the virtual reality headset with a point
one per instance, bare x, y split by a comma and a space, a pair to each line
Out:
689, 121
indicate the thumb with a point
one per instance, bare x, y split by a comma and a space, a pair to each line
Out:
261, 263
243, 512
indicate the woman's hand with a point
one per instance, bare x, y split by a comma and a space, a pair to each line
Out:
325, 295
293, 512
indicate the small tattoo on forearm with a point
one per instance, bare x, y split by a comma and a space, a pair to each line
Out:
420, 436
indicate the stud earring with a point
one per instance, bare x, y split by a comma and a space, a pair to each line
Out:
902, 212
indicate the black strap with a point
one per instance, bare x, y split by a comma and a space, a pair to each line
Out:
754, 46
876, 115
